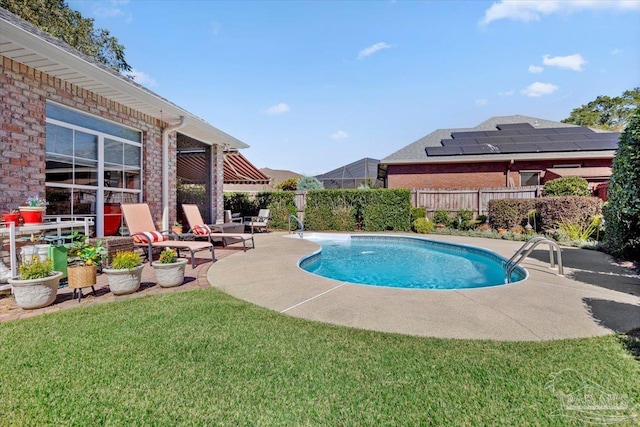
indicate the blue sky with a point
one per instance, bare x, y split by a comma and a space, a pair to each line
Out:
314, 85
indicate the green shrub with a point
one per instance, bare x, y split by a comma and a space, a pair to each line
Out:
332, 210
464, 219
385, 209
442, 217
622, 213
423, 225
309, 183
418, 213
569, 186
289, 184
240, 203
580, 231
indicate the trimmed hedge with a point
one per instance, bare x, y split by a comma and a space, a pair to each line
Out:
575, 209
281, 204
567, 186
507, 213
349, 210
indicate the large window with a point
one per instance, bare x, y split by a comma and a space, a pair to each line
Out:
92, 166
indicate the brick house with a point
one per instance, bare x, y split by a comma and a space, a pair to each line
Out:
87, 138
505, 151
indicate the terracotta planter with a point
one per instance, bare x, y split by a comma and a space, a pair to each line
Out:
11, 218
35, 293
502, 230
177, 229
122, 282
170, 275
32, 215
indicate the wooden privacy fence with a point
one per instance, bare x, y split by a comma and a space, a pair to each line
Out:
475, 199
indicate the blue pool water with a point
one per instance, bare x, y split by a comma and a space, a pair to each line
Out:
406, 262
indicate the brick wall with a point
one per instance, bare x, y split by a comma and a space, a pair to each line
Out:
23, 95
473, 175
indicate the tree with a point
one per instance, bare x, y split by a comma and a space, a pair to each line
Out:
606, 112
310, 183
56, 18
622, 211
289, 184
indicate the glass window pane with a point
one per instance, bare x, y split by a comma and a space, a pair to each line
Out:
113, 151
86, 145
59, 140
113, 176
84, 202
57, 112
529, 178
59, 200
59, 169
132, 155
132, 179
85, 172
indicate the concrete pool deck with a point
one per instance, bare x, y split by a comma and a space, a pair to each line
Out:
594, 297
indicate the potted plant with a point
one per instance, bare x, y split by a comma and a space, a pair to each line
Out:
37, 284
125, 273
83, 259
169, 268
13, 216
33, 211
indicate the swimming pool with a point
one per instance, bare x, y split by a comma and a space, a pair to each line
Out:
406, 262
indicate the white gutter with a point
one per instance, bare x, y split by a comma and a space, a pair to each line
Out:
165, 171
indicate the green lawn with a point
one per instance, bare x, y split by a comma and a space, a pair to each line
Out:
205, 358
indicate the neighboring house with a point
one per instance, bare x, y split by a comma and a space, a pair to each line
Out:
279, 175
507, 151
363, 171
84, 136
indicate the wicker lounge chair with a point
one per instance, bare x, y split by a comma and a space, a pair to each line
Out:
144, 233
213, 231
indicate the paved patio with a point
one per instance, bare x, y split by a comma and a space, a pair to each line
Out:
595, 297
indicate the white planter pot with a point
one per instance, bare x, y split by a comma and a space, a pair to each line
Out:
123, 282
170, 275
35, 293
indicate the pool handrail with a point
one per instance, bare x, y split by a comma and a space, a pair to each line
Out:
301, 230
526, 249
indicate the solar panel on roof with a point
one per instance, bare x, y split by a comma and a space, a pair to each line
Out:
557, 146
495, 140
514, 126
443, 151
516, 148
602, 136
579, 129
528, 138
470, 134
597, 145
465, 141
480, 149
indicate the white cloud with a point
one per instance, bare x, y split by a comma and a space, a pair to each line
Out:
339, 135
507, 93
481, 102
373, 49
537, 89
535, 69
571, 62
142, 78
616, 51
278, 109
528, 10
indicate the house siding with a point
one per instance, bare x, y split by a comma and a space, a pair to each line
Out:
474, 175
23, 95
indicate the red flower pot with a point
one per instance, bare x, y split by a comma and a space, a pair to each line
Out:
32, 215
11, 217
